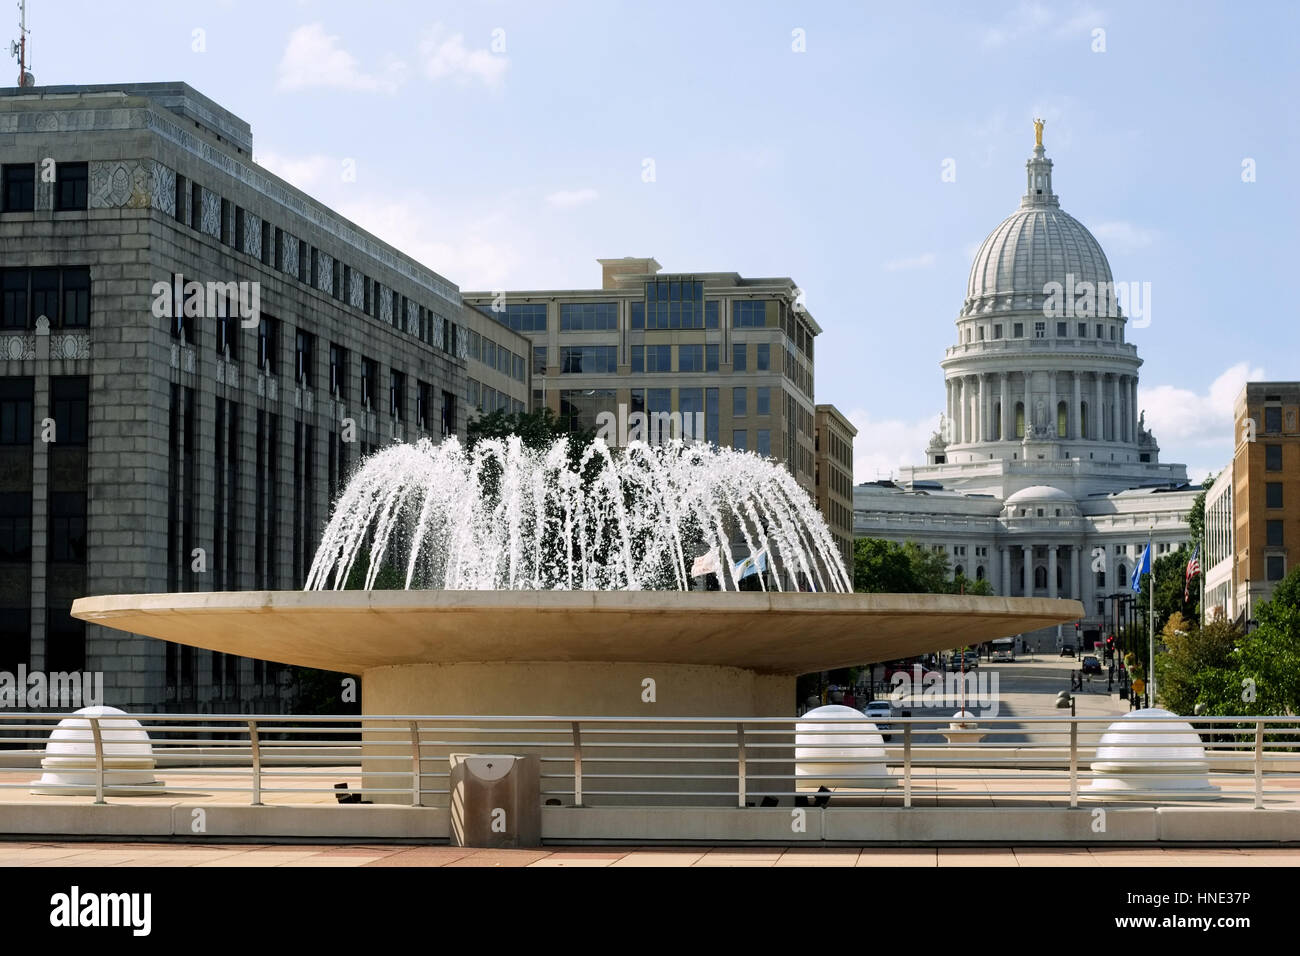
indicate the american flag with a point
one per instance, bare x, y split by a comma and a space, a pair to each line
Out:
1193, 569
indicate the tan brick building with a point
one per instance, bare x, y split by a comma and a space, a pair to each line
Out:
834, 475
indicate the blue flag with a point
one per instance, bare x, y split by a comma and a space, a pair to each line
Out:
1143, 567
754, 564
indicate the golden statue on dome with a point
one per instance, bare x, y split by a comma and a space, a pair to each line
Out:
1038, 132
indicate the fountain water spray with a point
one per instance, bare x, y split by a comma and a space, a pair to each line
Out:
506, 517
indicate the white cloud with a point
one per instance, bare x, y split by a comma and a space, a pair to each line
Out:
1196, 428
565, 198
312, 58
445, 55
1032, 19
308, 173
883, 446
473, 259
923, 261
1121, 236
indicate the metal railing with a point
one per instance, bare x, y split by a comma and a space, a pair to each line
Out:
685, 761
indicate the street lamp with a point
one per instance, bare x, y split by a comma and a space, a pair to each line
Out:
1065, 699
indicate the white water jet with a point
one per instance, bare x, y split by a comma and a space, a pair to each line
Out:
505, 517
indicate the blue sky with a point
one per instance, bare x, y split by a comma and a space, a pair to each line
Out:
503, 144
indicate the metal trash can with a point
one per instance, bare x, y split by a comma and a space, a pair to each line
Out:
495, 800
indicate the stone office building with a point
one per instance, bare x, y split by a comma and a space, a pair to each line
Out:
157, 440
734, 351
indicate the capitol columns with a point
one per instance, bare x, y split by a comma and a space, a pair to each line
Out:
1051, 405
1006, 566
1133, 407
1076, 557
983, 416
1003, 429
1114, 409
1028, 576
1051, 570
1073, 418
1098, 433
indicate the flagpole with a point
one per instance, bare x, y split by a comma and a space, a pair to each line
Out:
1151, 617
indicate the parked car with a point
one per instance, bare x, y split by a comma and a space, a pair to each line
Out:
1090, 665
1067, 650
880, 710
972, 659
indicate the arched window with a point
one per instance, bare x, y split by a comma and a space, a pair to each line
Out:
1101, 579
957, 571
1040, 578
979, 573
1121, 574
1062, 414
1083, 420
1020, 419
997, 421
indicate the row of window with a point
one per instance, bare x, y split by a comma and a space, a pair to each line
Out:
60, 295
18, 186
603, 359
978, 333
487, 399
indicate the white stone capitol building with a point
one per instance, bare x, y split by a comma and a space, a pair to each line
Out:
1042, 457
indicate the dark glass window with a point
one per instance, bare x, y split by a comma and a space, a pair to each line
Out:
70, 191
658, 358
690, 358
764, 363
68, 527
13, 286
710, 358
15, 527
1017, 330
739, 402
638, 315
1273, 494
19, 187
1273, 534
638, 358
588, 316
739, 356
397, 394
1272, 457
267, 344
522, 317
1273, 420
303, 349
1275, 566
70, 398
369, 378
423, 403
338, 371
539, 360
589, 359
76, 298
748, 314
15, 411
764, 444
45, 295
763, 405
711, 314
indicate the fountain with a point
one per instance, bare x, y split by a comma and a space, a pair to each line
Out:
570, 581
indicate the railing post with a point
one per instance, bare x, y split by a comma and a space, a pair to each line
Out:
99, 758
1259, 765
415, 763
741, 786
257, 762
907, 764
1074, 762
577, 763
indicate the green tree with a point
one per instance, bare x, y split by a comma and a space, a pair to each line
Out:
882, 567
1170, 576
1197, 667
1267, 678
537, 430
1196, 515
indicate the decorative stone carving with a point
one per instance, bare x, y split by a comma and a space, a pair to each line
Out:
17, 347
70, 346
385, 305
163, 188
210, 214
187, 359
176, 356
325, 278
253, 235
356, 289
131, 184
462, 343
290, 254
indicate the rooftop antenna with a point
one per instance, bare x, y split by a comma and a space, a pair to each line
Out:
19, 47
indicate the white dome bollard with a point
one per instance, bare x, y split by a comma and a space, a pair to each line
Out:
834, 754
69, 762
962, 729
1133, 759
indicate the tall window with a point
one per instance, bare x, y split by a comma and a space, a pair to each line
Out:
763, 405
739, 402
1272, 457
70, 188
19, 187
369, 379
739, 354
588, 316
267, 344
674, 304
1062, 414
397, 395
690, 358
303, 349
338, 371
764, 363
749, 313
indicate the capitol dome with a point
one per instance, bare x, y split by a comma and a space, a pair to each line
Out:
1039, 493
1037, 244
